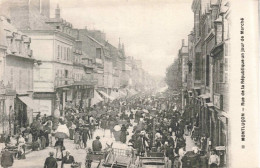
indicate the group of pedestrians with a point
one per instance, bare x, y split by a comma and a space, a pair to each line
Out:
158, 125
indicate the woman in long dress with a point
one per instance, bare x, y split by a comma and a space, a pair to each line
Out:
59, 148
103, 125
123, 134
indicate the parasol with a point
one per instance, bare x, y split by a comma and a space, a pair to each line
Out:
62, 132
117, 128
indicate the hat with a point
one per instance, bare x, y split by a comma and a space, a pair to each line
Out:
98, 137
51, 153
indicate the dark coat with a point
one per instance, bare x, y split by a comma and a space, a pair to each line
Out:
96, 145
50, 162
85, 134
59, 143
103, 123
7, 159
69, 160
191, 160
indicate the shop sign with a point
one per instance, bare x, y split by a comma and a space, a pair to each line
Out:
44, 95
218, 101
220, 148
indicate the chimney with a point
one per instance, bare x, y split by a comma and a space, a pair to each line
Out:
123, 48
45, 8
119, 44
57, 12
183, 42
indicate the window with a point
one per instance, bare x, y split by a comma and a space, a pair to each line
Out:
98, 53
66, 73
65, 53
61, 52
29, 80
221, 72
68, 54
58, 56
197, 67
11, 77
207, 70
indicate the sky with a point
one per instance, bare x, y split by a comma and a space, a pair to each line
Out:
151, 30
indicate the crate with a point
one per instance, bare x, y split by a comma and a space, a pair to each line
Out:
122, 152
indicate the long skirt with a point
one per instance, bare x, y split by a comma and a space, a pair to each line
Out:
71, 134
59, 153
123, 137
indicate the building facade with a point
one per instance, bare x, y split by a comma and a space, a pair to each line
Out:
71, 65
16, 76
205, 92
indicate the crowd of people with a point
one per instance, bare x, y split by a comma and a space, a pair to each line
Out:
159, 128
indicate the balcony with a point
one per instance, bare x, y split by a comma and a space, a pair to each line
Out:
87, 81
87, 65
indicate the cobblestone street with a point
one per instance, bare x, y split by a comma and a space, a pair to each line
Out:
35, 159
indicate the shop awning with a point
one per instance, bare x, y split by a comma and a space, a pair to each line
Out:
30, 103
132, 92
114, 94
122, 93
97, 98
106, 95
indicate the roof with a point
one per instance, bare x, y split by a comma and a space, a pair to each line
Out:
95, 41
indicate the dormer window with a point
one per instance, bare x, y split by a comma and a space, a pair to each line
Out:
57, 27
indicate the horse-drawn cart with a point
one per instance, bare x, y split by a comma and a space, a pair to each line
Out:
94, 159
119, 158
154, 160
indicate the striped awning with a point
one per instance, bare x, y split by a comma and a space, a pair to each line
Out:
106, 95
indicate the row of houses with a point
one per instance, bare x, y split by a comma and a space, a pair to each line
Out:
47, 64
203, 67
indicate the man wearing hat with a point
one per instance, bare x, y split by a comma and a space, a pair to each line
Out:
85, 135
50, 161
96, 145
67, 159
7, 159
191, 159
